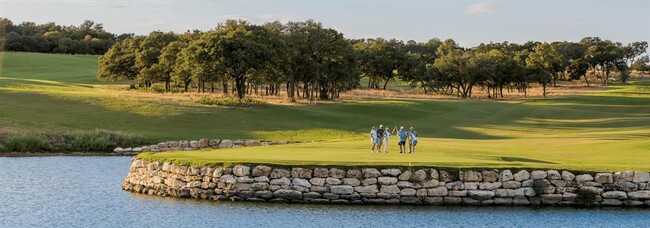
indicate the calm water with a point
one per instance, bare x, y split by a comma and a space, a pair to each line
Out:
85, 192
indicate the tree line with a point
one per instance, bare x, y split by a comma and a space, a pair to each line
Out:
310, 61
88, 38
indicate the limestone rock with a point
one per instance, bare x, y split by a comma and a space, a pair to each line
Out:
446, 176
489, 185
366, 189
118, 150
456, 185
489, 176
261, 170
527, 191
279, 173
261, 179
391, 172
433, 200
641, 177
511, 184
317, 181
405, 176
408, 192
553, 175
301, 182
241, 170
457, 193
520, 201
194, 144
287, 194
419, 175
611, 202
425, 184
342, 189
406, 184
584, 178
320, 189
351, 181
470, 176
471, 185
321, 172
301, 173
434, 174
410, 200
137, 149
213, 143
521, 175
452, 200
551, 198
506, 175
615, 195
369, 181
391, 189
226, 143
371, 173
203, 143
339, 173
639, 195
146, 149
281, 181
538, 175
604, 178
506, 193
480, 194
623, 176
387, 180
332, 181
568, 176
244, 179
438, 191
352, 173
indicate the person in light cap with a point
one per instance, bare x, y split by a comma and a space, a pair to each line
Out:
380, 137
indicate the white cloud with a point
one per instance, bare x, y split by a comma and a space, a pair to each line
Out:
479, 8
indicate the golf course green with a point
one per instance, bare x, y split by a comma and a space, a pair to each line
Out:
608, 130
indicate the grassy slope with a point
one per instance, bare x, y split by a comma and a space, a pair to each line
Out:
606, 131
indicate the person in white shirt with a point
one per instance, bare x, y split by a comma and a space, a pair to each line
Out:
387, 136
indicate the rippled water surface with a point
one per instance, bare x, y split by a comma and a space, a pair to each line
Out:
85, 192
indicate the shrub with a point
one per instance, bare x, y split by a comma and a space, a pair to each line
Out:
77, 141
25, 143
230, 102
585, 197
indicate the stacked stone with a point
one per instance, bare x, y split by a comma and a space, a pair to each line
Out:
197, 145
386, 186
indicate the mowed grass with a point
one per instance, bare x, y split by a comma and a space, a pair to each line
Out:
608, 130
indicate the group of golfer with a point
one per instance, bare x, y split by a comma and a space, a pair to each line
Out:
379, 137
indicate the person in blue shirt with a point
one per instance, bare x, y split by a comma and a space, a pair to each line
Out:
401, 134
373, 139
413, 140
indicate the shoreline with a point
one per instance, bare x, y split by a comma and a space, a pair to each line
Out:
63, 154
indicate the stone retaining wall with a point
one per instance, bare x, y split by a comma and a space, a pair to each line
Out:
197, 145
388, 185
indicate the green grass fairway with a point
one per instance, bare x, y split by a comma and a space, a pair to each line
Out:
609, 130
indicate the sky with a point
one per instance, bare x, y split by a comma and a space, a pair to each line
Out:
468, 22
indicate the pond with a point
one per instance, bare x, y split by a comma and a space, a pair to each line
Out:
85, 192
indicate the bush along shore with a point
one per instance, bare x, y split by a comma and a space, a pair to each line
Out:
92, 141
187, 145
425, 186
